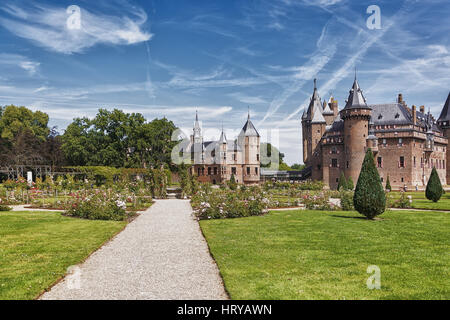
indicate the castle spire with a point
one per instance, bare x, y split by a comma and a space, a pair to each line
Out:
314, 112
445, 114
356, 98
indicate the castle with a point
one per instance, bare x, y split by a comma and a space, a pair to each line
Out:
216, 161
407, 143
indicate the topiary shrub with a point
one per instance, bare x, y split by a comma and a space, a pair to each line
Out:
388, 185
369, 198
342, 185
434, 189
232, 184
350, 184
346, 200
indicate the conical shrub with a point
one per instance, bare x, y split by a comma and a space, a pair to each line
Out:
434, 187
369, 198
388, 184
342, 182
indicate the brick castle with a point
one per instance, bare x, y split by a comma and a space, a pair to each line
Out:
407, 143
216, 161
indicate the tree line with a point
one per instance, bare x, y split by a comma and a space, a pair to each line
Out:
113, 138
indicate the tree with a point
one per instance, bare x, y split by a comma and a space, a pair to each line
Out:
118, 139
388, 185
16, 120
298, 167
350, 184
232, 183
434, 189
342, 182
369, 198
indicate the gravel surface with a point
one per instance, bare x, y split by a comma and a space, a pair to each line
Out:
160, 255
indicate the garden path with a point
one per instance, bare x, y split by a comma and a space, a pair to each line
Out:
160, 255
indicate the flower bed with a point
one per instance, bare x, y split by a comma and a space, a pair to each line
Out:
99, 206
222, 204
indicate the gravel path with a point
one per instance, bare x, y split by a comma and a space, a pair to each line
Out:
160, 255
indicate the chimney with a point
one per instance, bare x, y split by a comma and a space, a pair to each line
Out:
400, 98
334, 107
422, 109
414, 114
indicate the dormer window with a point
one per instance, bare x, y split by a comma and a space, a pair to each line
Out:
380, 117
397, 116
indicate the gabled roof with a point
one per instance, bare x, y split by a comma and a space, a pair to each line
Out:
356, 98
445, 114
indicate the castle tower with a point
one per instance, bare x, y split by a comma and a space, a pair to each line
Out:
197, 142
444, 124
249, 141
313, 128
356, 116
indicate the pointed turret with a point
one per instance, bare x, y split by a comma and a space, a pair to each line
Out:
327, 107
356, 98
314, 112
249, 129
445, 114
197, 137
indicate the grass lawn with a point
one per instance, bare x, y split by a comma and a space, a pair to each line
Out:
325, 255
421, 202
37, 248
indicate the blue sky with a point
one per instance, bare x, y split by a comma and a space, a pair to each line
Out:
170, 58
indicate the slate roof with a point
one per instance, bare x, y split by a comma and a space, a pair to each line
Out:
249, 129
390, 114
445, 114
314, 111
356, 98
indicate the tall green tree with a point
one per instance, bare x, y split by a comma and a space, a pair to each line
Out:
369, 198
434, 189
388, 184
118, 139
16, 120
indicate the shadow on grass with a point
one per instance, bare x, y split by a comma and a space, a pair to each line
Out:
359, 218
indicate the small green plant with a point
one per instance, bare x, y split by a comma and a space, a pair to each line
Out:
434, 189
388, 185
232, 184
347, 200
342, 182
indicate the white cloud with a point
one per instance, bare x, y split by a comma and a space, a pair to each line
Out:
31, 67
47, 27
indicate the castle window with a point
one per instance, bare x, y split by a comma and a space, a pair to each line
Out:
401, 163
256, 171
233, 170
348, 164
384, 142
215, 170
414, 162
400, 142
333, 150
209, 171
380, 162
248, 170
257, 157
334, 163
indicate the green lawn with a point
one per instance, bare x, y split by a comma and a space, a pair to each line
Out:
37, 248
325, 255
421, 202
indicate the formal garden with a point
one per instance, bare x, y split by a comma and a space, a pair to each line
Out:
319, 249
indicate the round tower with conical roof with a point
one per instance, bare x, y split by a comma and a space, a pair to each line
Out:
444, 124
249, 141
356, 116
